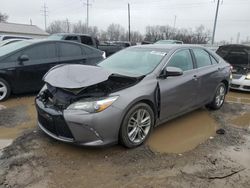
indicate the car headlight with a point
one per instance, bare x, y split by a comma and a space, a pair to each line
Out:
93, 105
248, 76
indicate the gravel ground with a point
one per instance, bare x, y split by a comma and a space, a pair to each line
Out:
34, 160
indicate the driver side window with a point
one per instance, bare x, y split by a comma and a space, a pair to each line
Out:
181, 59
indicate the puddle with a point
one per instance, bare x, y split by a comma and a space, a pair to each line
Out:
242, 121
183, 134
17, 116
4, 143
238, 97
2, 107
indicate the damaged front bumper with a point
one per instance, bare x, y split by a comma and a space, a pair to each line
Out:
79, 127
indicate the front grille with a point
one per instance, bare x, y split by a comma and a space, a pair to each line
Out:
237, 76
55, 125
235, 85
246, 87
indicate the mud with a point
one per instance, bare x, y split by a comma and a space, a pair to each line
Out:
238, 97
16, 116
34, 160
183, 134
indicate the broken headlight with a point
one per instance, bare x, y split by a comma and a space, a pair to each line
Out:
93, 105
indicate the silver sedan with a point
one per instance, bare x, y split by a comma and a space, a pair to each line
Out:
128, 94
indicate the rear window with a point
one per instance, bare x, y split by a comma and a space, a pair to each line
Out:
87, 40
202, 58
70, 50
72, 38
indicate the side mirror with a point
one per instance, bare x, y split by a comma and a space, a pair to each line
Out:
23, 58
171, 71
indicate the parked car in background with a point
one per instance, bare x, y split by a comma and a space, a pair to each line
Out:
9, 41
23, 64
239, 57
123, 44
6, 37
169, 42
136, 89
109, 49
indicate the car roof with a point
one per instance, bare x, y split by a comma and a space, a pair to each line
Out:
72, 34
234, 45
167, 47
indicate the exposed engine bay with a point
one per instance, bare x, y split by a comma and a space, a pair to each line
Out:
61, 98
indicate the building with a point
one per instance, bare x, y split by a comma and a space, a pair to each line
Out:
23, 30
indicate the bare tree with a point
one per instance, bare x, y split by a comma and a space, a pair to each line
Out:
115, 32
79, 27
199, 36
59, 26
3, 17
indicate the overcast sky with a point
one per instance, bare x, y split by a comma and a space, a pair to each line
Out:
234, 15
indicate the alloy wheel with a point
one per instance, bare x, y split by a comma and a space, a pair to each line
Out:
220, 96
3, 90
139, 125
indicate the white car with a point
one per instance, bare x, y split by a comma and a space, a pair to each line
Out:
239, 57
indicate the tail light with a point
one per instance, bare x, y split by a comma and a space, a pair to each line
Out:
104, 55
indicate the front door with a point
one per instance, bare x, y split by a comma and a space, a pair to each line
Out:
178, 94
29, 74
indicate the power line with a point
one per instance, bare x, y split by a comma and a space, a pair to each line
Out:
45, 13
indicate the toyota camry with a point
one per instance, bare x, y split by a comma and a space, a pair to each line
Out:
126, 95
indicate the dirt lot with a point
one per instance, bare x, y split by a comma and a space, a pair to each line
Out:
186, 152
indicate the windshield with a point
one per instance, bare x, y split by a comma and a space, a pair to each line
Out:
13, 46
134, 61
55, 37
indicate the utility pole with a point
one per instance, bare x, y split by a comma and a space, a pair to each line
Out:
87, 20
67, 22
215, 20
45, 14
175, 17
238, 38
129, 32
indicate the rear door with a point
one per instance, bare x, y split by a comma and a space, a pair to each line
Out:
178, 94
42, 57
208, 74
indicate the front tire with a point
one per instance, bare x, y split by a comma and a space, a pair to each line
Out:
137, 125
219, 97
4, 90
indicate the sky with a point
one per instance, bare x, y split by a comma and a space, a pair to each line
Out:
233, 18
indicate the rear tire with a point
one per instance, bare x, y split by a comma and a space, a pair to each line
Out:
4, 90
137, 125
219, 97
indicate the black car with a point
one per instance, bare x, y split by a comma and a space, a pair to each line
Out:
23, 64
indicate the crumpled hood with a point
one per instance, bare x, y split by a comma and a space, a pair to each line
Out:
76, 76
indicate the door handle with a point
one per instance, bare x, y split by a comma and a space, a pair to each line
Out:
219, 69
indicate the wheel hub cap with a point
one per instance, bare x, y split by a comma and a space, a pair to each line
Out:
139, 125
3, 90
220, 96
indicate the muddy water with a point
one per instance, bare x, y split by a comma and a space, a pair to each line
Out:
183, 134
238, 97
242, 121
16, 116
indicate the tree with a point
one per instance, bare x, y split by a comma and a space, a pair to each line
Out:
115, 32
59, 26
3, 17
